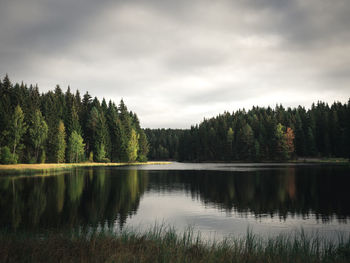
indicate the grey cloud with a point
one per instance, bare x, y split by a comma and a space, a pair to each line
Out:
191, 59
229, 92
189, 55
304, 23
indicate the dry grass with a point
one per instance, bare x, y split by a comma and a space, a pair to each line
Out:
45, 167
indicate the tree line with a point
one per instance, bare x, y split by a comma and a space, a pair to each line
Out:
259, 134
63, 127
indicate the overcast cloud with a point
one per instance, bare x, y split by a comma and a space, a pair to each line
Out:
176, 62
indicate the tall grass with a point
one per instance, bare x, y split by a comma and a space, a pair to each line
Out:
164, 244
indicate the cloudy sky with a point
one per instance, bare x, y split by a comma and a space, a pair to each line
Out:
176, 62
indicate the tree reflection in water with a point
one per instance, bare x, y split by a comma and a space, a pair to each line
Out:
81, 197
102, 197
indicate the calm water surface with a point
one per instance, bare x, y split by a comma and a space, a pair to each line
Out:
217, 199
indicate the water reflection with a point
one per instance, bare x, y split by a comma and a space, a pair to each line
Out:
91, 197
104, 196
321, 191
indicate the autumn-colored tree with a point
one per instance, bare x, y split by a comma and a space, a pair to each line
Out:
289, 141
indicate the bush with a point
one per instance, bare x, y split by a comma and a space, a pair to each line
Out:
142, 158
6, 157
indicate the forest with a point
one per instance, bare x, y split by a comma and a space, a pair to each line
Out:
259, 134
60, 127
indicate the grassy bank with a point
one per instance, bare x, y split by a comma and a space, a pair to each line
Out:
48, 167
164, 244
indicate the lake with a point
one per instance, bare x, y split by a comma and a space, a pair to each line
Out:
216, 199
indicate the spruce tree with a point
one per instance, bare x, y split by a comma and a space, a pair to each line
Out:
5, 109
229, 143
143, 147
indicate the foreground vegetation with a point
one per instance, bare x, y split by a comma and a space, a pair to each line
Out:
164, 244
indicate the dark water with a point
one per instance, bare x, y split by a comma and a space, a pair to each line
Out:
217, 199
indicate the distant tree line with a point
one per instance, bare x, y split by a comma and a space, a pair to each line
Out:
164, 143
63, 127
259, 134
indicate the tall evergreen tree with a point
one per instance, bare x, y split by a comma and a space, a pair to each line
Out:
229, 143
5, 109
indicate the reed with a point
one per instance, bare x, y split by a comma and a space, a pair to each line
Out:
164, 244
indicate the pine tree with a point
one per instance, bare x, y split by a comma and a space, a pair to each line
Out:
246, 136
73, 119
5, 109
115, 132
99, 133
310, 142
229, 143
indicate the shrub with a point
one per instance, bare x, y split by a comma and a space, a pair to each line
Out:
6, 157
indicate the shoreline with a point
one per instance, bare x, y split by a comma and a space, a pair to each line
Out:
46, 167
300, 160
10, 169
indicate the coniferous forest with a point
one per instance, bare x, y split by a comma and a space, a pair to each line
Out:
260, 134
63, 127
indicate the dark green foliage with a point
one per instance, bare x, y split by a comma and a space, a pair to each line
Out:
106, 131
6, 157
259, 134
163, 143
